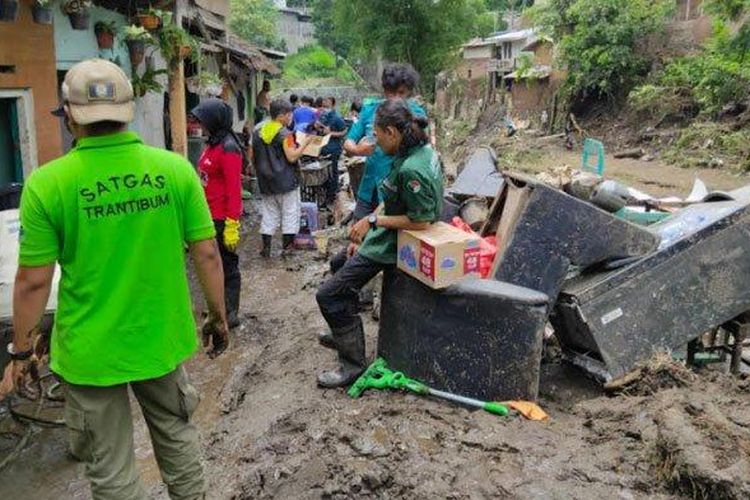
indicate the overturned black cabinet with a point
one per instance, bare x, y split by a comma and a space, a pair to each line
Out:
543, 231
698, 279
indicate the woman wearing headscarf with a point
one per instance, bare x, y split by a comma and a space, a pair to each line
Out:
220, 170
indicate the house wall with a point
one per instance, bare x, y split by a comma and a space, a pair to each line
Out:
242, 83
530, 97
29, 48
294, 32
72, 46
483, 52
473, 69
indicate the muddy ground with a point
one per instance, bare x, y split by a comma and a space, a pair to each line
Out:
268, 432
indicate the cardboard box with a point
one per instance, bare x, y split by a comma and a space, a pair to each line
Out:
438, 256
317, 144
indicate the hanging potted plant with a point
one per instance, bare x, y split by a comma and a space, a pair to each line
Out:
42, 12
105, 34
151, 19
136, 38
8, 10
176, 44
78, 13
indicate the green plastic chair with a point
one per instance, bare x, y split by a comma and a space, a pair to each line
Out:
592, 147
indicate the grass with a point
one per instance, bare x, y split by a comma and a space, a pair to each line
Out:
316, 66
711, 144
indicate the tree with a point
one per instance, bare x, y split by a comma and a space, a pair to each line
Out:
601, 42
339, 41
505, 5
425, 33
255, 21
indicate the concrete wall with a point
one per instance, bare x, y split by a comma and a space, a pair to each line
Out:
294, 31
28, 48
483, 52
73, 46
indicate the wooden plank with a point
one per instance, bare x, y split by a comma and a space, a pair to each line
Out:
517, 197
177, 109
493, 217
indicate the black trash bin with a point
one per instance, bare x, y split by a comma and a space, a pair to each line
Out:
10, 196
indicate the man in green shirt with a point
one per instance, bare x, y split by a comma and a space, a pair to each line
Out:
116, 215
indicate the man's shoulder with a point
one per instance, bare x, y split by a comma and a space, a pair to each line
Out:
52, 172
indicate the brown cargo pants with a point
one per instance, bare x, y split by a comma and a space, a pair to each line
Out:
100, 428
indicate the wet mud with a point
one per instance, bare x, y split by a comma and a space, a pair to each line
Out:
269, 432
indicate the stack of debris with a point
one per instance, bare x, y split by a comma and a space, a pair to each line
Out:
615, 291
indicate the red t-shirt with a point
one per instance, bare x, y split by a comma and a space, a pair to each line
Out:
220, 172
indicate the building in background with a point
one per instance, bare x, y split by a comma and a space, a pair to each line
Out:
294, 25
34, 59
29, 135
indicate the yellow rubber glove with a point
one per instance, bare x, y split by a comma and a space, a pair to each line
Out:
231, 234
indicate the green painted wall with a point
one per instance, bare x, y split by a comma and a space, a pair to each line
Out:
72, 46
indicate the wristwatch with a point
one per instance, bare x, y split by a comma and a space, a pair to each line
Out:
19, 356
373, 220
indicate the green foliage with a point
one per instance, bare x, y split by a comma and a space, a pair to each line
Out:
134, 32
711, 144
326, 31
147, 82
105, 27
172, 38
720, 74
425, 33
316, 63
524, 64
600, 40
727, 9
505, 5
254, 21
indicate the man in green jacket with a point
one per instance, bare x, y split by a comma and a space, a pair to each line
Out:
116, 215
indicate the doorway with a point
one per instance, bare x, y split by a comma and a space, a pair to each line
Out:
11, 161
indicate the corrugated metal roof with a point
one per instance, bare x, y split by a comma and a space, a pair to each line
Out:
249, 54
510, 36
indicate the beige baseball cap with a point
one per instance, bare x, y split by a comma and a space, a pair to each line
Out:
98, 90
